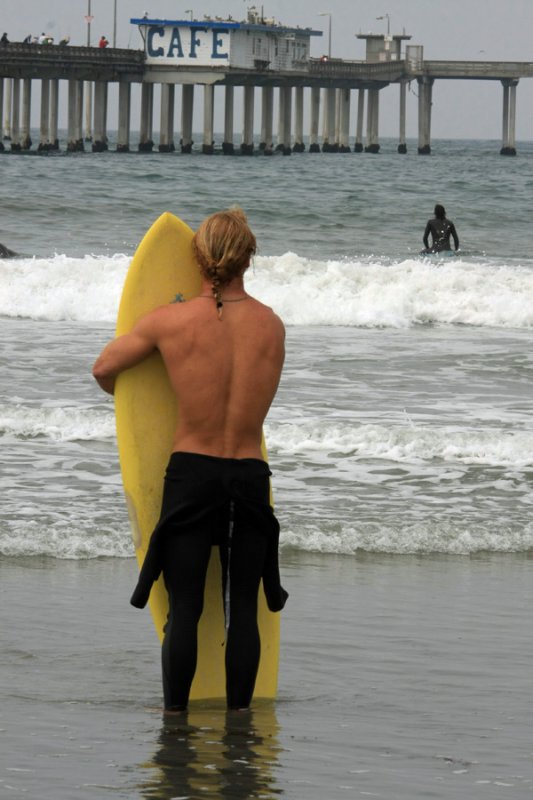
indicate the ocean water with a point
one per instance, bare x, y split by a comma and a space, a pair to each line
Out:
401, 444
403, 421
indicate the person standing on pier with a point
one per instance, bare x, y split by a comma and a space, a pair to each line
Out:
440, 229
103, 42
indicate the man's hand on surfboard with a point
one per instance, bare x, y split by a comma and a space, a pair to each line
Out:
124, 352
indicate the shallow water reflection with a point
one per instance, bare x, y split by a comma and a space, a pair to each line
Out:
215, 753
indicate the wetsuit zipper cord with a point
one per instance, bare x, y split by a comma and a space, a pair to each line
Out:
227, 609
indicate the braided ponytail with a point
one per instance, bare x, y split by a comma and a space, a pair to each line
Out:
216, 290
223, 245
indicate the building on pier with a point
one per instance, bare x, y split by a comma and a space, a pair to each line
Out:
257, 44
383, 48
204, 53
190, 63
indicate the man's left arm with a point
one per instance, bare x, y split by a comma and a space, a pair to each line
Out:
455, 237
425, 238
125, 352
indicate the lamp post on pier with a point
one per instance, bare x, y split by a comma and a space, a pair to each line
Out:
114, 23
88, 20
327, 121
89, 86
327, 14
387, 17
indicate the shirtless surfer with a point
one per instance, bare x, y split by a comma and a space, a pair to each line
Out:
223, 352
440, 229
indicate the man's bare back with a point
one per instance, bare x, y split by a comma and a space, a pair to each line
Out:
223, 350
224, 372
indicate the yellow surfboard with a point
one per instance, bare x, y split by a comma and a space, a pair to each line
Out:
163, 270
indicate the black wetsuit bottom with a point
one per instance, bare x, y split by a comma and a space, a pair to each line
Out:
185, 554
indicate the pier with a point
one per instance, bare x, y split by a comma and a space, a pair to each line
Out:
190, 62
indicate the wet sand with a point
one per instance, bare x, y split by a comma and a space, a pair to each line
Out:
400, 677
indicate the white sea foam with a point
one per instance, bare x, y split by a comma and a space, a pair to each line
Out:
323, 472
371, 293
412, 443
365, 293
75, 539
79, 542
61, 424
420, 537
404, 444
62, 288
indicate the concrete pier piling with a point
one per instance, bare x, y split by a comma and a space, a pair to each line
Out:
267, 120
146, 142
358, 147
15, 117
166, 125
124, 112
187, 107
330, 113
208, 146
314, 146
75, 117
285, 120
402, 144
344, 120
1, 113
247, 144
337, 138
372, 122
25, 138
89, 111
509, 118
325, 124
425, 91
78, 124
228, 147
44, 127
100, 117
54, 114
299, 145
8, 110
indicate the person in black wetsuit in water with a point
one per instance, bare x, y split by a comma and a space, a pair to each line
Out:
440, 230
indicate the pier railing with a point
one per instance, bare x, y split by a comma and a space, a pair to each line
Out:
475, 70
389, 71
19, 60
65, 61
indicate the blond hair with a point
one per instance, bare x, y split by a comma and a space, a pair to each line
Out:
223, 246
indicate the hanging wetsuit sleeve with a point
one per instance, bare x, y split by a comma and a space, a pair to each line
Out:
276, 596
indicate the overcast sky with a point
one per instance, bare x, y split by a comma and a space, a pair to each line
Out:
492, 30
